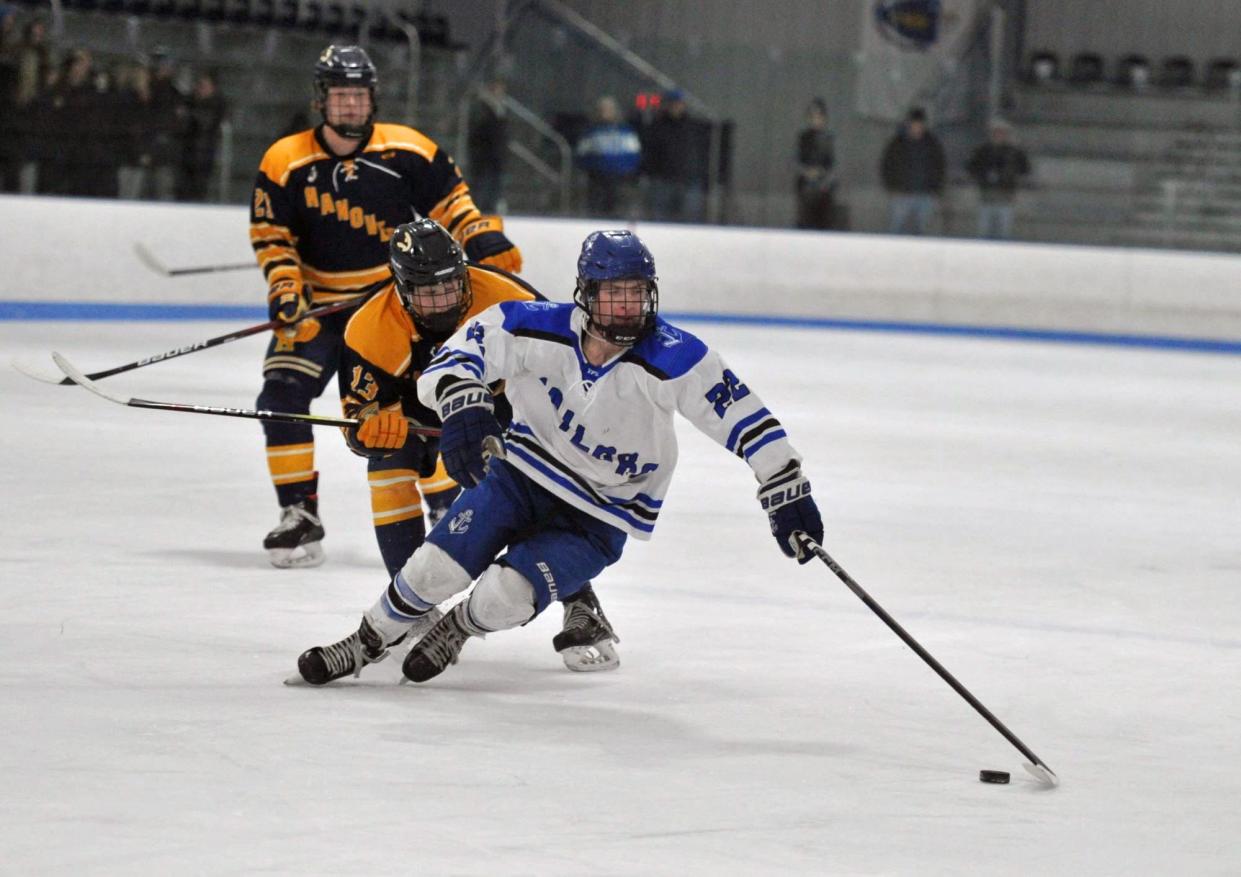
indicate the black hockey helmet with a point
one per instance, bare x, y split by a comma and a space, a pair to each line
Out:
345, 66
616, 255
431, 277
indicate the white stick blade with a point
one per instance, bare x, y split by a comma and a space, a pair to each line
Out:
34, 373
83, 381
1042, 773
146, 257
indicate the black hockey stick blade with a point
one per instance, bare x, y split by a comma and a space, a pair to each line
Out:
803, 544
63, 381
147, 258
280, 416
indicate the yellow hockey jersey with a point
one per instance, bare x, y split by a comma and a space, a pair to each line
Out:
326, 220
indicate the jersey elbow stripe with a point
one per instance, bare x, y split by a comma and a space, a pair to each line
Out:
753, 435
767, 439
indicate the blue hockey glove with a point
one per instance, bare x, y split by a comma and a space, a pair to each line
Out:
469, 420
786, 499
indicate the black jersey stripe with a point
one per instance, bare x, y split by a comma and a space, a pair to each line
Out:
754, 433
523, 332
633, 359
537, 450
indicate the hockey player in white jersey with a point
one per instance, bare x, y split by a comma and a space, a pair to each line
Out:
584, 465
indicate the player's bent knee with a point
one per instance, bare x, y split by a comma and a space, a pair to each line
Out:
285, 392
434, 575
501, 599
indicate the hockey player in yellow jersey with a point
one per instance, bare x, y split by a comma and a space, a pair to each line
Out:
325, 204
388, 343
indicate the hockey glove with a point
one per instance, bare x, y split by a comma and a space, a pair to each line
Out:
386, 430
484, 242
786, 500
469, 420
287, 300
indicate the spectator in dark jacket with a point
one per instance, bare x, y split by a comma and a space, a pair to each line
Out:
204, 117
674, 150
816, 179
169, 116
66, 142
487, 146
997, 166
913, 174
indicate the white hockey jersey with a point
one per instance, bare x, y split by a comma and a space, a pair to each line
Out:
602, 438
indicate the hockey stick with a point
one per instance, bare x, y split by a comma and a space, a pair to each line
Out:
86, 383
1035, 766
146, 257
333, 308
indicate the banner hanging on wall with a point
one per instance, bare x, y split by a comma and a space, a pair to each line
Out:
908, 48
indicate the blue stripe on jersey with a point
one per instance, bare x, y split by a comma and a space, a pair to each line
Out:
449, 358
568, 485
668, 349
731, 444
770, 437
544, 317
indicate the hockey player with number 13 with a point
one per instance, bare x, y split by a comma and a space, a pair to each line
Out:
585, 463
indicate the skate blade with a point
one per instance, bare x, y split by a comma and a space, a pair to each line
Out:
302, 557
590, 659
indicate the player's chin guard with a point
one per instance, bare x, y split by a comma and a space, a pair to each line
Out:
431, 277
345, 67
616, 255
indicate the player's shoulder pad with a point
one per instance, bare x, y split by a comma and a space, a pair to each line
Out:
380, 332
490, 285
386, 137
288, 154
666, 352
545, 320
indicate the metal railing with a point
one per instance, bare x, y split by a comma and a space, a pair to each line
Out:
562, 178
512, 13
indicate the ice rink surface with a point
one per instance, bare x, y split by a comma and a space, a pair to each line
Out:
1059, 525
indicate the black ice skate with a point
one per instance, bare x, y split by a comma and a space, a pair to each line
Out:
432, 654
585, 643
295, 542
324, 664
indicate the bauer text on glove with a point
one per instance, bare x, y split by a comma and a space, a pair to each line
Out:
790, 509
468, 414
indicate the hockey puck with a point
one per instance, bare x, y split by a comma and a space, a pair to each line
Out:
1000, 777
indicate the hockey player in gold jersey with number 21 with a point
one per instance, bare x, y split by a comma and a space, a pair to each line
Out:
326, 202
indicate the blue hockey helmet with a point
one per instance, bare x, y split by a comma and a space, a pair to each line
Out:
616, 255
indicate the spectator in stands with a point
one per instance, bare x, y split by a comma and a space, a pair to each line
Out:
168, 120
10, 47
913, 174
35, 73
674, 148
487, 147
816, 179
997, 166
136, 113
610, 153
204, 118
102, 146
65, 154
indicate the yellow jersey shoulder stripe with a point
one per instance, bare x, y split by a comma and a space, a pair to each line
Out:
288, 154
389, 136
